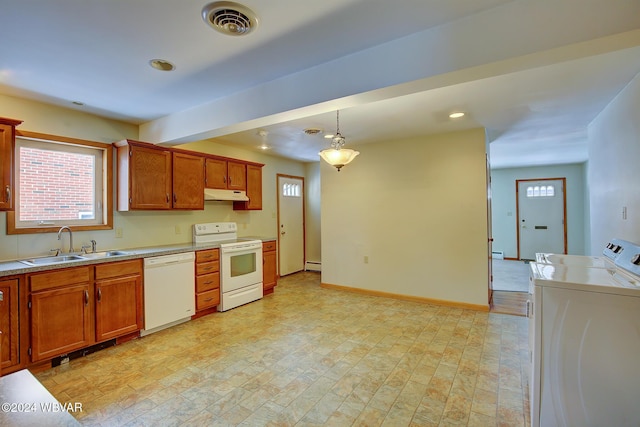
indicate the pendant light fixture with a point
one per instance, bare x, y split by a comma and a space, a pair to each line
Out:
338, 156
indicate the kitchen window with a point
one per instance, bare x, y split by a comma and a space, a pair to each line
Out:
61, 181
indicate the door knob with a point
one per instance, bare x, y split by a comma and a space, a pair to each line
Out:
283, 233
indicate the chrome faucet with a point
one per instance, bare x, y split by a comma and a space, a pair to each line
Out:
70, 238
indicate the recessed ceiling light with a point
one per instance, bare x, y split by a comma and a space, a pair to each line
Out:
456, 115
264, 147
162, 65
329, 135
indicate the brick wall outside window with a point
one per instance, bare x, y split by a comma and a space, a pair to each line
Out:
55, 185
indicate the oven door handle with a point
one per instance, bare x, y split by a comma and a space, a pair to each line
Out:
242, 248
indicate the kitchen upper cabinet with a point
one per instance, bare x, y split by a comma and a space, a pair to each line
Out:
61, 307
154, 178
269, 270
144, 177
225, 174
9, 321
216, 173
237, 176
118, 296
254, 189
188, 181
7, 146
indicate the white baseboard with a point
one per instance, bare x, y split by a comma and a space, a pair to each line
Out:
313, 266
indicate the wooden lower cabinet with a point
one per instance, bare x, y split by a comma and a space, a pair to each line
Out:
9, 324
73, 308
118, 296
207, 279
269, 269
60, 320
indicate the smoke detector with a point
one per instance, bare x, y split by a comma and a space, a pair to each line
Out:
230, 18
312, 131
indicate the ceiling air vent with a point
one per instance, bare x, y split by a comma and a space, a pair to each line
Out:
312, 131
230, 18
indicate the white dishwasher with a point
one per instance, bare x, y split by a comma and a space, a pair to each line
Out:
169, 295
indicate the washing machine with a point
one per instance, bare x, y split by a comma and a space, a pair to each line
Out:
584, 326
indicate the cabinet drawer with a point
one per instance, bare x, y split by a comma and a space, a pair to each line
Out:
116, 269
57, 278
207, 282
269, 246
208, 255
207, 299
207, 267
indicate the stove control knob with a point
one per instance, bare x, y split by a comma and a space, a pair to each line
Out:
617, 249
610, 246
636, 259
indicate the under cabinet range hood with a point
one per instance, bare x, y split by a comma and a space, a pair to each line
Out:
234, 195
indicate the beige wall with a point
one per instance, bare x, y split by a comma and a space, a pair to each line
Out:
418, 210
139, 228
614, 170
312, 212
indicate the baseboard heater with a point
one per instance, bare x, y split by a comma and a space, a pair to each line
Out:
312, 266
497, 254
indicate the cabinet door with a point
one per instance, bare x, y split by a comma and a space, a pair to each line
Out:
60, 321
6, 167
237, 176
216, 174
269, 270
254, 187
254, 190
150, 175
188, 181
9, 322
118, 307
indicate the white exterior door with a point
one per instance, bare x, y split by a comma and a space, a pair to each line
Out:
541, 217
291, 224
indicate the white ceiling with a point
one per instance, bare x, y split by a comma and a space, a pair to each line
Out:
535, 89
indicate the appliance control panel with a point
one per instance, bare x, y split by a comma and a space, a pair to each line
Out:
629, 258
214, 228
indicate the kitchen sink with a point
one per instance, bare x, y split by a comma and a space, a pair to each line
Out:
93, 255
61, 259
47, 260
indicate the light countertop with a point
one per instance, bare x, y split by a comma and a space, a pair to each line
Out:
10, 268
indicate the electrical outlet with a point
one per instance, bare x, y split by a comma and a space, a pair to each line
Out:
118, 232
178, 231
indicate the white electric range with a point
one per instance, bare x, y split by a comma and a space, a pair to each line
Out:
584, 336
240, 263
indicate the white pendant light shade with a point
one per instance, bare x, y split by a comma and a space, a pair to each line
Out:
338, 157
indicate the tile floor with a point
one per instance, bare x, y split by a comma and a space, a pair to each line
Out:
309, 356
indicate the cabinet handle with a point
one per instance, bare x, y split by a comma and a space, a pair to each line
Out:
167, 197
206, 283
99, 294
175, 197
528, 308
208, 299
224, 179
8, 193
86, 297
